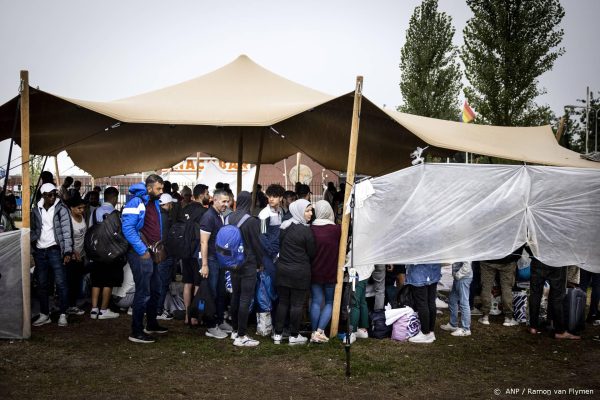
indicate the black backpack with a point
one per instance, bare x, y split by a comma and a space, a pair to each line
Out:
182, 238
104, 241
378, 328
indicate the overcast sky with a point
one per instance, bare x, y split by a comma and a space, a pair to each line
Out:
105, 50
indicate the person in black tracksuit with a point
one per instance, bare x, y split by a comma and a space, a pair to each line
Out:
243, 280
297, 249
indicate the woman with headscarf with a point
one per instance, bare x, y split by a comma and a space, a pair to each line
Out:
324, 269
297, 249
243, 280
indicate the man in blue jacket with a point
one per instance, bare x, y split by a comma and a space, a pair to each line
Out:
141, 218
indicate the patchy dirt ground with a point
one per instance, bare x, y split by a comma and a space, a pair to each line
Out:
94, 360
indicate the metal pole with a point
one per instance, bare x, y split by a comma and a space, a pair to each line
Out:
587, 119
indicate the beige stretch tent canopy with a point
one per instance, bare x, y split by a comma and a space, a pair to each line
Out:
160, 128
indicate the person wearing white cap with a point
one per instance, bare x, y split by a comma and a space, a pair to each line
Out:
52, 247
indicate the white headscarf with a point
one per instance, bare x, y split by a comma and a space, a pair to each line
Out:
323, 214
297, 209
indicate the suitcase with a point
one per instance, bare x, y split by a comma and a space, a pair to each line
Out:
574, 309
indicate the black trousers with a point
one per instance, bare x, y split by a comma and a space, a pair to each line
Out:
557, 277
243, 285
424, 301
291, 300
75, 272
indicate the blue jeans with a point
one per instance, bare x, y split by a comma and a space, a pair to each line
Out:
165, 271
321, 305
460, 294
46, 260
147, 291
216, 281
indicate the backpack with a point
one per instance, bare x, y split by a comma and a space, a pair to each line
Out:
229, 245
104, 241
378, 329
182, 240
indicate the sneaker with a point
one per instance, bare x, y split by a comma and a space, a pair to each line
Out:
62, 320
510, 322
448, 327
165, 316
352, 338
141, 338
130, 311
215, 333
75, 311
234, 335
225, 327
485, 320
322, 336
421, 338
461, 332
362, 333
43, 319
277, 338
94, 314
440, 303
108, 314
476, 311
296, 340
154, 329
596, 322
245, 341
431, 336
316, 338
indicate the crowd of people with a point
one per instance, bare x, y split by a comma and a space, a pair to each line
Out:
285, 236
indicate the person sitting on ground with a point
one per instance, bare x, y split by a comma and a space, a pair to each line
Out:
9, 206
557, 277
105, 276
297, 250
75, 268
288, 198
462, 273
165, 268
324, 269
52, 247
63, 192
424, 279
243, 279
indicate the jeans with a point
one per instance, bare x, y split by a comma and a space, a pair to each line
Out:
216, 281
321, 305
147, 291
557, 277
585, 278
46, 260
379, 279
424, 299
359, 312
460, 294
292, 300
243, 286
165, 271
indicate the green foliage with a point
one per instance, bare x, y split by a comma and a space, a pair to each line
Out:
430, 74
508, 45
574, 135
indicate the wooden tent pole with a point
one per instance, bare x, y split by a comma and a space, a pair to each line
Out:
258, 161
561, 129
57, 171
25, 204
197, 167
240, 161
337, 299
298, 167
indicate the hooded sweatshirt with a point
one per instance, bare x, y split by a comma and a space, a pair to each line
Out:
250, 234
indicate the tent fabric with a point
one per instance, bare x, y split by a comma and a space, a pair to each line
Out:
459, 212
11, 284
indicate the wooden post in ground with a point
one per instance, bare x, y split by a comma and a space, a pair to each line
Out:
337, 299
258, 161
57, 172
26, 203
240, 161
561, 128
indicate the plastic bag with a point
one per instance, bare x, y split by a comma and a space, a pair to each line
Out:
265, 293
406, 327
524, 267
264, 324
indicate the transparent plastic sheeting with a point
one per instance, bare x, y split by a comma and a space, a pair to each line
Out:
451, 212
11, 284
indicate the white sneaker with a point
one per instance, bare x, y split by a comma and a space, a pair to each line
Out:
431, 335
440, 303
225, 327
448, 327
296, 340
318, 337
215, 333
362, 333
245, 341
420, 338
108, 314
485, 320
476, 311
165, 316
62, 321
130, 311
75, 311
43, 319
461, 332
352, 338
277, 338
234, 335
510, 322
94, 313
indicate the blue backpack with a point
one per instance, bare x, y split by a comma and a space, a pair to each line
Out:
230, 245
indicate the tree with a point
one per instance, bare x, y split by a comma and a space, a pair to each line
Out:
576, 124
508, 45
430, 74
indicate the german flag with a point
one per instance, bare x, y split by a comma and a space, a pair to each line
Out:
468, 115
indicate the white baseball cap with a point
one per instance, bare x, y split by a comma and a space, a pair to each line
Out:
166, 198
47, 188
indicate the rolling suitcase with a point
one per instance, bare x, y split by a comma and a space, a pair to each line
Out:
574, 309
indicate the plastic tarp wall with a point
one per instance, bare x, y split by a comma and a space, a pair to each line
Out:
453, 212
11, 284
